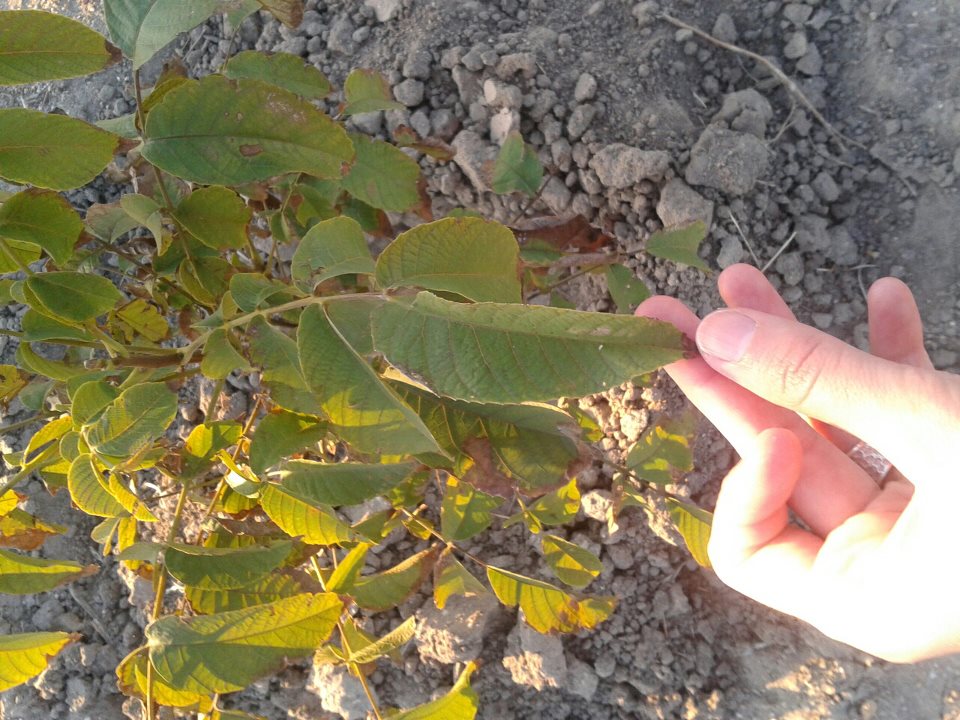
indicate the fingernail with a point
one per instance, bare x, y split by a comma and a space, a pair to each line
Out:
725, 335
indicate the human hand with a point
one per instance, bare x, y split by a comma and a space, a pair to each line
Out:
877, 569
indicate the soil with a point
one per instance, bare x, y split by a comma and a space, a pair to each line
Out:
825, 215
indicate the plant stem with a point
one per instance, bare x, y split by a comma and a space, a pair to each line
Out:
23, 423
45, 458
13, 257
138, 91
159, 590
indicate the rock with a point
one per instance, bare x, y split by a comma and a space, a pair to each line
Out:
586, 88
619, 166
812, 63
727, 160
790, 265
502, 124
622, 556
605, 665
956, 162
580, 120
472, 155
473, 61
731, 252
454, 634
533, 659
339, 692
556, 195
48, 614
581, 678
724, 28
409, 92
796, 46
499, 94
369, 123
812, 235
680, 204
417, 65
385, 9
746, 111
420, 122
341, 36
597, 505
468, 85
826, 187
523, 63
843, 248
445, 123
797, 13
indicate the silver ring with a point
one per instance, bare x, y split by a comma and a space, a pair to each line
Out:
871, 461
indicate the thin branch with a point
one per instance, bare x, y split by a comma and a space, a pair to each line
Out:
778, 253
743, 237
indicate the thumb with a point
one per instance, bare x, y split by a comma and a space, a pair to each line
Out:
910, 414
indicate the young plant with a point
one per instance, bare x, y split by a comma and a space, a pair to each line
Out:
419, 377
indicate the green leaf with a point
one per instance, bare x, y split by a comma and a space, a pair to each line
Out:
270, 589
348, 569
517, 168
130, 501
220, 357
383, 176
53, 369
626, 289
210, 568
555, 508
52, 151
73, 296
36, 46
251, 291
204, 442
132, 680
662, 454
282, 433
367, 91
276, 354
228, 651
471, 257
226, 132
141, 318
460, 703
125, 126
89, 490
393, 640
352, 319
146, 212
450, 577
465, 511
143, 27
504, 353
24, 575
330, 248
280, 69
694, 525
43, 218
108, 222
26, 655
299, 517
216, 216
387, 589
37, 327
366, 413
342, 483
571, 563
546, 607
140, 415
680, 245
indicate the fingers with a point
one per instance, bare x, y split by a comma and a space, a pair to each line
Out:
896, 331
740, 415
753, 548
744, 286
908, 414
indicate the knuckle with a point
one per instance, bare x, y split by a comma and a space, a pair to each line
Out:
801, 370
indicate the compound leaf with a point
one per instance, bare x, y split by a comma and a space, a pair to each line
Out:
694, 525
450, 577
216, 216
43, 218
367, 91
382, 176
36, 46
626, 289
387, 589
366, 413
546, 607
226, 132
52, 151
143, 27
280, 69
330, 248
25, 575
662, 454
680, 245
276, 354
141, 318
517, 168
73, 296
270, 589
227, 651
132, 680
300, 517
465, 511
471, 257
213, 568
26, 655
89, 491
342, 483
204, 442
503, 353
140, 415
220, 357
571, 563
281, 433
460, 703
